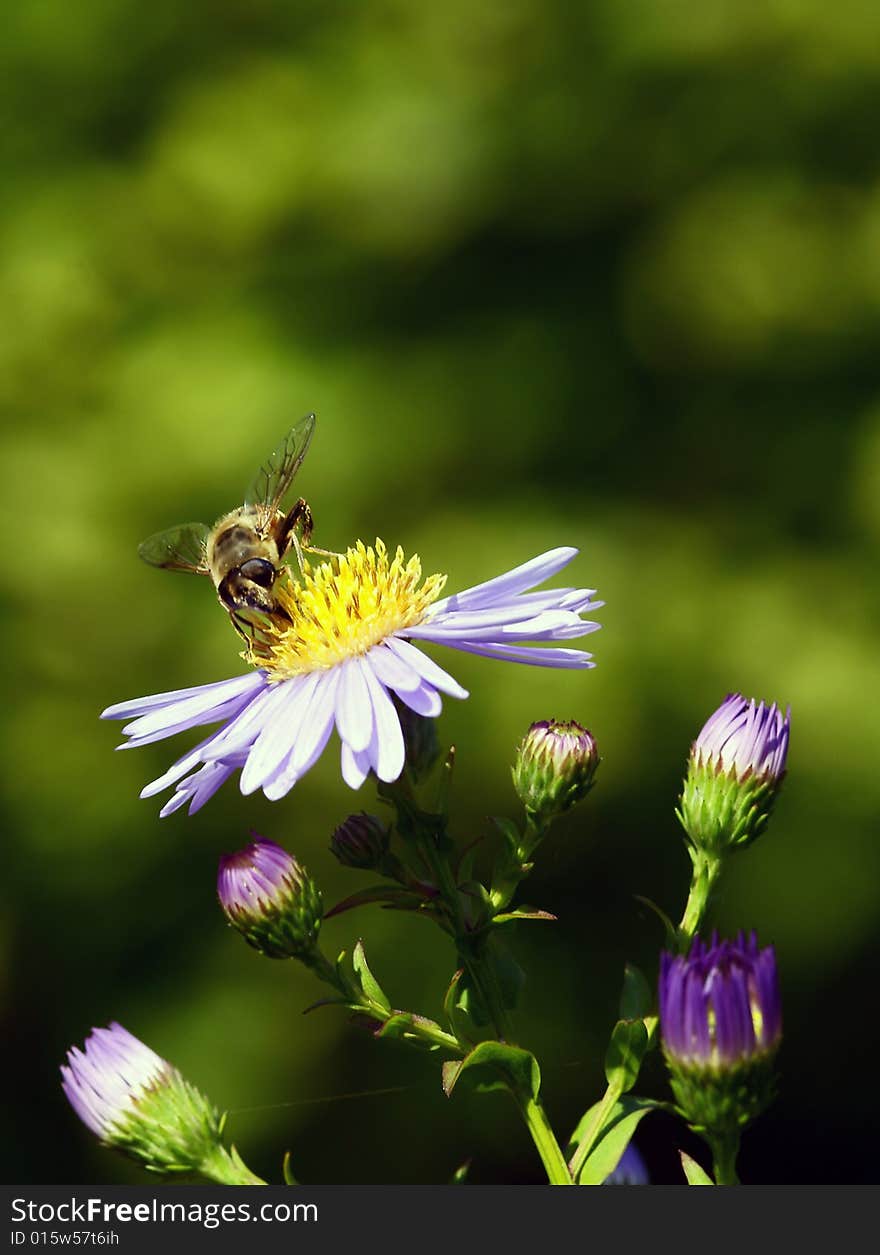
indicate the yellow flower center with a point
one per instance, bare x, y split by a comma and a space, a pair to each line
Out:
340, 609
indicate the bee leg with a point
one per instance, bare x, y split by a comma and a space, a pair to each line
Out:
324, 553
300, 515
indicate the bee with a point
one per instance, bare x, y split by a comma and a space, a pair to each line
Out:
244, 551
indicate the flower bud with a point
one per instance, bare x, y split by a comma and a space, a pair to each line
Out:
720, 1024
271, 900
554, 768
361, 841
136, 1102
734, 773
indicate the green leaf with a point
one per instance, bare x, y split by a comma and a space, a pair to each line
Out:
668, 926
636, 996
403, 1025
629, 1042
369, 984
615, 1136
460, 1175
287, 1171
507, 917
453, 1007
389, 895
495, 1065
692, 1170
509, 831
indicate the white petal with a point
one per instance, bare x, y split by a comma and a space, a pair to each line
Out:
389, 752
426, 667
274, 742
354, 711
355, 767
317, 723
293, 716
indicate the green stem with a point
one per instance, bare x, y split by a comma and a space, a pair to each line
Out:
706, 873
420, 1027
471, 949
724, 1155
515, 865
545, 1141
588, 1141
226, 1167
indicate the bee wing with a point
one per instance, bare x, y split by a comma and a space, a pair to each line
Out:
275, 476
180, 548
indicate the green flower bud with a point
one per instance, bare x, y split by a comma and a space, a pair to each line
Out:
554, 768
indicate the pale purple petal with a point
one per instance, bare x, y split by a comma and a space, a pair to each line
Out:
141, 705
194, 709
425, 700
569, 659
504, 586
199, 788
393, 672
242, 731
229, 710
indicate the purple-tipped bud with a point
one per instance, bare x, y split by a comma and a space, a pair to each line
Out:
555, 766
270, 899
136, 1102
360, 841
735, 770
721, 1024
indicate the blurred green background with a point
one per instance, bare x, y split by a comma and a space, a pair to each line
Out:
605, 275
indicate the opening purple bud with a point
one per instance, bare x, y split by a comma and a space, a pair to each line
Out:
734, 773
555, 767
745, 737
136, 1102
271, 899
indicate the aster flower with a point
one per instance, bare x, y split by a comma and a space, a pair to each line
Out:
721, 1025
136, 1102
271, 899
734, 774
337, 653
